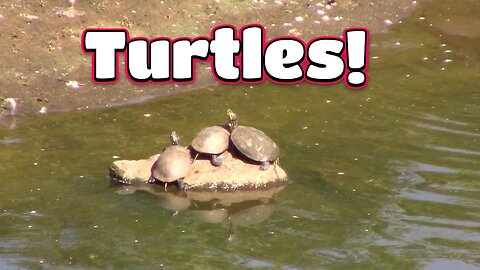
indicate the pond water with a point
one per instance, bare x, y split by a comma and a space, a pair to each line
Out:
382, 178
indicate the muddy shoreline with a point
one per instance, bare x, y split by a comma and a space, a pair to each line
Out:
42, 58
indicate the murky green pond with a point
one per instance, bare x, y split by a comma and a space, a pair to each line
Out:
383, 178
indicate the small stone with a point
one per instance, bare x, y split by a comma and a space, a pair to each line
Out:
70, 13
74, 84
294, 32
29, 17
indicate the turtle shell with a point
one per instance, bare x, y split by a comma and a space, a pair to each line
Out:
254, 144
211, 140
172, 164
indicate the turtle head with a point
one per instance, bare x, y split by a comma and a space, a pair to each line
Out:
232, 120
174, 138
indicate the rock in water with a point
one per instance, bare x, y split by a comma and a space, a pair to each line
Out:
132, 171
232, 175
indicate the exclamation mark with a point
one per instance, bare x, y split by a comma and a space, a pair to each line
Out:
357, 43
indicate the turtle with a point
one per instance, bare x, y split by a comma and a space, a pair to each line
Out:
253, 143
173, 164
213, 141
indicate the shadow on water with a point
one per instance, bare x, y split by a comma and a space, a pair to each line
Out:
383, 178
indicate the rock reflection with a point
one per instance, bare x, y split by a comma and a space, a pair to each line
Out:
218, 215
239, 208
8, 121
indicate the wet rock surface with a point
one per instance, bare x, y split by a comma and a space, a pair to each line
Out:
132, 171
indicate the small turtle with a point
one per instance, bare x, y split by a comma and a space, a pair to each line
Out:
173, 164
253, 143
213, 141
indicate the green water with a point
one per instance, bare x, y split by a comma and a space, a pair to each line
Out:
382, 178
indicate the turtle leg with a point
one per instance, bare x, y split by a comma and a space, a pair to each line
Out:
264, 166
217, 160
181, 184
195, 158
275, 164
165, 186
151, 180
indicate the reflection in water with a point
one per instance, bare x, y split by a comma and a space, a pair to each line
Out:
217, 215
248, 217
8, 121
239, 208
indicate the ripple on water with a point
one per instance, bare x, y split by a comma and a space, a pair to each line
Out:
435, 210
454, 150
421, 195
253, 263
447, 130
10, 141
340, 255
428, 116
449, 264
11, 261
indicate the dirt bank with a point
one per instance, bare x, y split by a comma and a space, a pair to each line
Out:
40, 45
